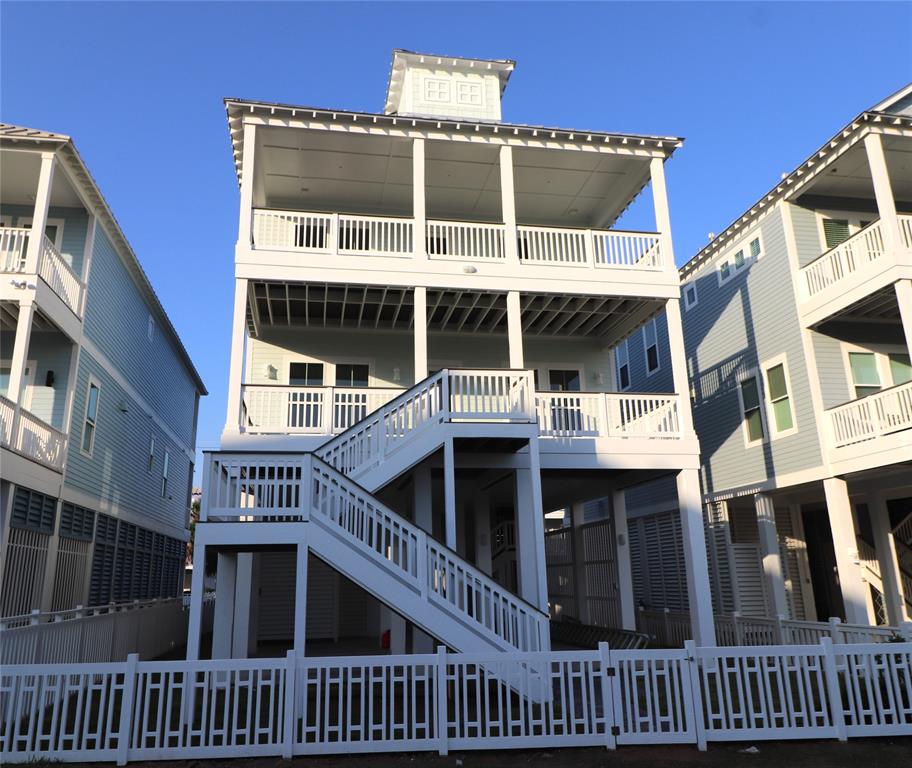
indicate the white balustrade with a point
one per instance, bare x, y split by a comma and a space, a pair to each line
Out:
549, 245
607, 414
290, 230
572, 414
374, 236
628, 249
838, 263
875, 415
491, 395
464, 240
25, 433
905, 229
13, 248
247, 487
59, 275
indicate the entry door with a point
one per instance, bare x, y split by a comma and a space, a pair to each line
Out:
27, 381
305, 408
350, 407
822, 562
566, 413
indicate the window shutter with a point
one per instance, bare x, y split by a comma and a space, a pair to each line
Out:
835, 231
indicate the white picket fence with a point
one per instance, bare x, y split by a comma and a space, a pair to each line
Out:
232, 708
104, 633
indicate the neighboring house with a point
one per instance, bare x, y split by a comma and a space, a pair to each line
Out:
98, 397
798, 327
425, 304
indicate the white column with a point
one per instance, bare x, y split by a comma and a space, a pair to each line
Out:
622, 548
421, 349
885, 548
50, 570
769, 552
87, 251
245, 224
482, 508
300, 607
197, 587
422, 505
223, 623
842, 524
449, 493
883, 192
662, 216
699, 595
904, 299
514, 330
244, 595
42, 204
20, 350
530, 532
508, 205
236, 361
679, 363
580, 591
419, 203
72, 373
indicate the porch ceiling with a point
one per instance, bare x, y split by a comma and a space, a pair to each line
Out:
322, 305
9, 317
880, 305
19, 181
850, 176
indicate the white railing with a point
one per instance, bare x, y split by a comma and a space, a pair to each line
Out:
503, 538
99, 634
60, 276
607, 414
25, 433
881, 413
231, 708
13, 248
310, 410
352, 235
464, 240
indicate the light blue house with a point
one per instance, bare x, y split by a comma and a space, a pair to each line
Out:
98, 397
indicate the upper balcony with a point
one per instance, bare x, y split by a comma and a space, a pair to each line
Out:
24, 433
858, 273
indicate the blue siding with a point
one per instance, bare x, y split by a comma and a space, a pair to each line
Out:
661, 380
51, 352
118, 470
116, 320
75, 227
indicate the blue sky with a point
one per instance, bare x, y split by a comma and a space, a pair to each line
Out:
754, 89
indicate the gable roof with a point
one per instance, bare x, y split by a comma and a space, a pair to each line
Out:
66, 148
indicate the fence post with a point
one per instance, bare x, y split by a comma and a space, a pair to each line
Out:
738, 627
126, 708
779, 630
291, 676
421, 563
833, 691
442, 740
307, 482
696, 693
665, 628
834, 623
608, 676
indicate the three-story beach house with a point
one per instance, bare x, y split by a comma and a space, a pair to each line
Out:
98, 397
426, 303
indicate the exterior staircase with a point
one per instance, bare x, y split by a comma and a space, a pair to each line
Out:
902, 538
391, 558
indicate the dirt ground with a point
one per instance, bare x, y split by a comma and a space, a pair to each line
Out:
859, 753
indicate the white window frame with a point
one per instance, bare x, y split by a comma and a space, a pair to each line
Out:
688, 304
329, 367
544, 374
773, 432
744, 246
617, 366
442, 87
26, 221
85, 417
753, 373
166, 465
151, 464
881, 354
466, 92
655, 331
854, 218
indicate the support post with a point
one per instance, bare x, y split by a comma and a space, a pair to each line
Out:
223, 623
883, 192
514, 330
421, 348
236, 362
885, 547
449, 492
508, 205
300, 609
127, 701
291, 715
243, 641
903, 290
530, 532
662, 216
845, 545
482, 507
769, 553
622, 549
580, 587
419, 206
679, 365
197, 586
245, 225
441, 686
20, 351
699, 596
40, 214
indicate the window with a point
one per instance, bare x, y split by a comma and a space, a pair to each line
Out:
469, 93
305, 374
151, 453
900, 368
835, 232
690, 295
742, 257
351, 375
164, 486
436, 90
150, 328
750, 406
53, 229
780, 403
623, 365
564, 380
91, 418
651, 345
865, 375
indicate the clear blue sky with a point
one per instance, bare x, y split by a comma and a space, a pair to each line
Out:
754, 89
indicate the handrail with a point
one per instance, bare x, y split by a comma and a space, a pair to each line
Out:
42, 443
868, 417
866, 228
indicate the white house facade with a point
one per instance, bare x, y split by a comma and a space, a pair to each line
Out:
426, 305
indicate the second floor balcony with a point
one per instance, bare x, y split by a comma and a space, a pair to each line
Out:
24, 433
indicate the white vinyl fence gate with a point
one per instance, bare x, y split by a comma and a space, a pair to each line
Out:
295, 706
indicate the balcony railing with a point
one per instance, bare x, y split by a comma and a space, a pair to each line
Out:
28, 435
331, 410
838, 264
875, 415
454, 240
52, 267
